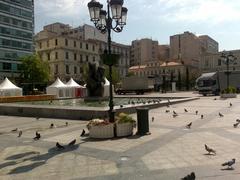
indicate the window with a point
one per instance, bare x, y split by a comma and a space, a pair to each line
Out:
66, 42
219, 62
86, 46
56, 69
75, 56
67, 69
56, 42
81, 58
80, 45
56, 55
75, 44
93, 48
81, 69
75, 70
93, 58
66, 55
48, 56
40, 45
47, 43
86, 58
7, 66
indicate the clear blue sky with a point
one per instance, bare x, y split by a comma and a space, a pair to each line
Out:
157, 19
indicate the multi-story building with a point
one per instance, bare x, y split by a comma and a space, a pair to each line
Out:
143, 51
188, 48
66, 51
124, 59
16, 34
211, 62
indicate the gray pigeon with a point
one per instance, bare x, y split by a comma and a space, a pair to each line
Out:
20, 134
202, 116
196, 112
237, 120
185, 110
230, 104
72, 142
220, 114
209, 150
229, 163
189, 176
174, 113
152, 119
83, 132
59, 146
15, 130
236, 125
38, 136
189, 125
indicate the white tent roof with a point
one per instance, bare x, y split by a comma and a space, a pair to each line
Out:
107, 83
72, 83
6, 84
58, 83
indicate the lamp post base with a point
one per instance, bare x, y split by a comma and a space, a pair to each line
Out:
112, 116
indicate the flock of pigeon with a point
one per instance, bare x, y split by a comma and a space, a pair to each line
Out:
207, 148
38, 135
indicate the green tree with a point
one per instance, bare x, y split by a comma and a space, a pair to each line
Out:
34, 70
115, 74
187, 79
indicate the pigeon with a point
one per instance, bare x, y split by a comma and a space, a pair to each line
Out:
215, 99
15, 130
52, 126
209, 150
220, 114
202, 116
121, 106
37, 118
229, 163
38, 136
20, 134
174, 113
236, 125
152, 119
189, 125
185, 110
59, 146
167, 111
230, 104
237, 120
190, 176
196, 112
66, 123
72, 142
83, 132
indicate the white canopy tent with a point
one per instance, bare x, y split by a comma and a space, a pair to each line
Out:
7, 88
106, 88
59, 89
75, 89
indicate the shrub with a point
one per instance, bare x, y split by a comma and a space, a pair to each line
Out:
124, 118
230, 90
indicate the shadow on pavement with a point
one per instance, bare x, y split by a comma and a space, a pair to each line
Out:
37, 159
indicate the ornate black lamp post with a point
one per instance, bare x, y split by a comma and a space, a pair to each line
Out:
104, 23
228, 59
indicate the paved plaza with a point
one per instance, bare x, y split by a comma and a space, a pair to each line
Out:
171, 151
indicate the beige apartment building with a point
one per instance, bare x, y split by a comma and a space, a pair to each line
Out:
211, 62
188, 48
143, 51
67, 49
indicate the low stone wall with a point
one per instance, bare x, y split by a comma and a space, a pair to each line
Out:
73, 112
10, 99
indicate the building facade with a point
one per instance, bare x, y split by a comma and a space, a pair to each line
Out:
16, 34
211, 62
188, 48
68, 49
143, 51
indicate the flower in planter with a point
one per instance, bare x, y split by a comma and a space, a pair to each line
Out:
124, 118
97, 122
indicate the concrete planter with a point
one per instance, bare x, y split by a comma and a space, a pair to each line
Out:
231, 95
124, 129
102, 132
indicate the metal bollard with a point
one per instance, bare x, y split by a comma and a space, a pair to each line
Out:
142, 121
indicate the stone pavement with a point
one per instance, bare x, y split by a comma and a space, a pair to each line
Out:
169, 153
